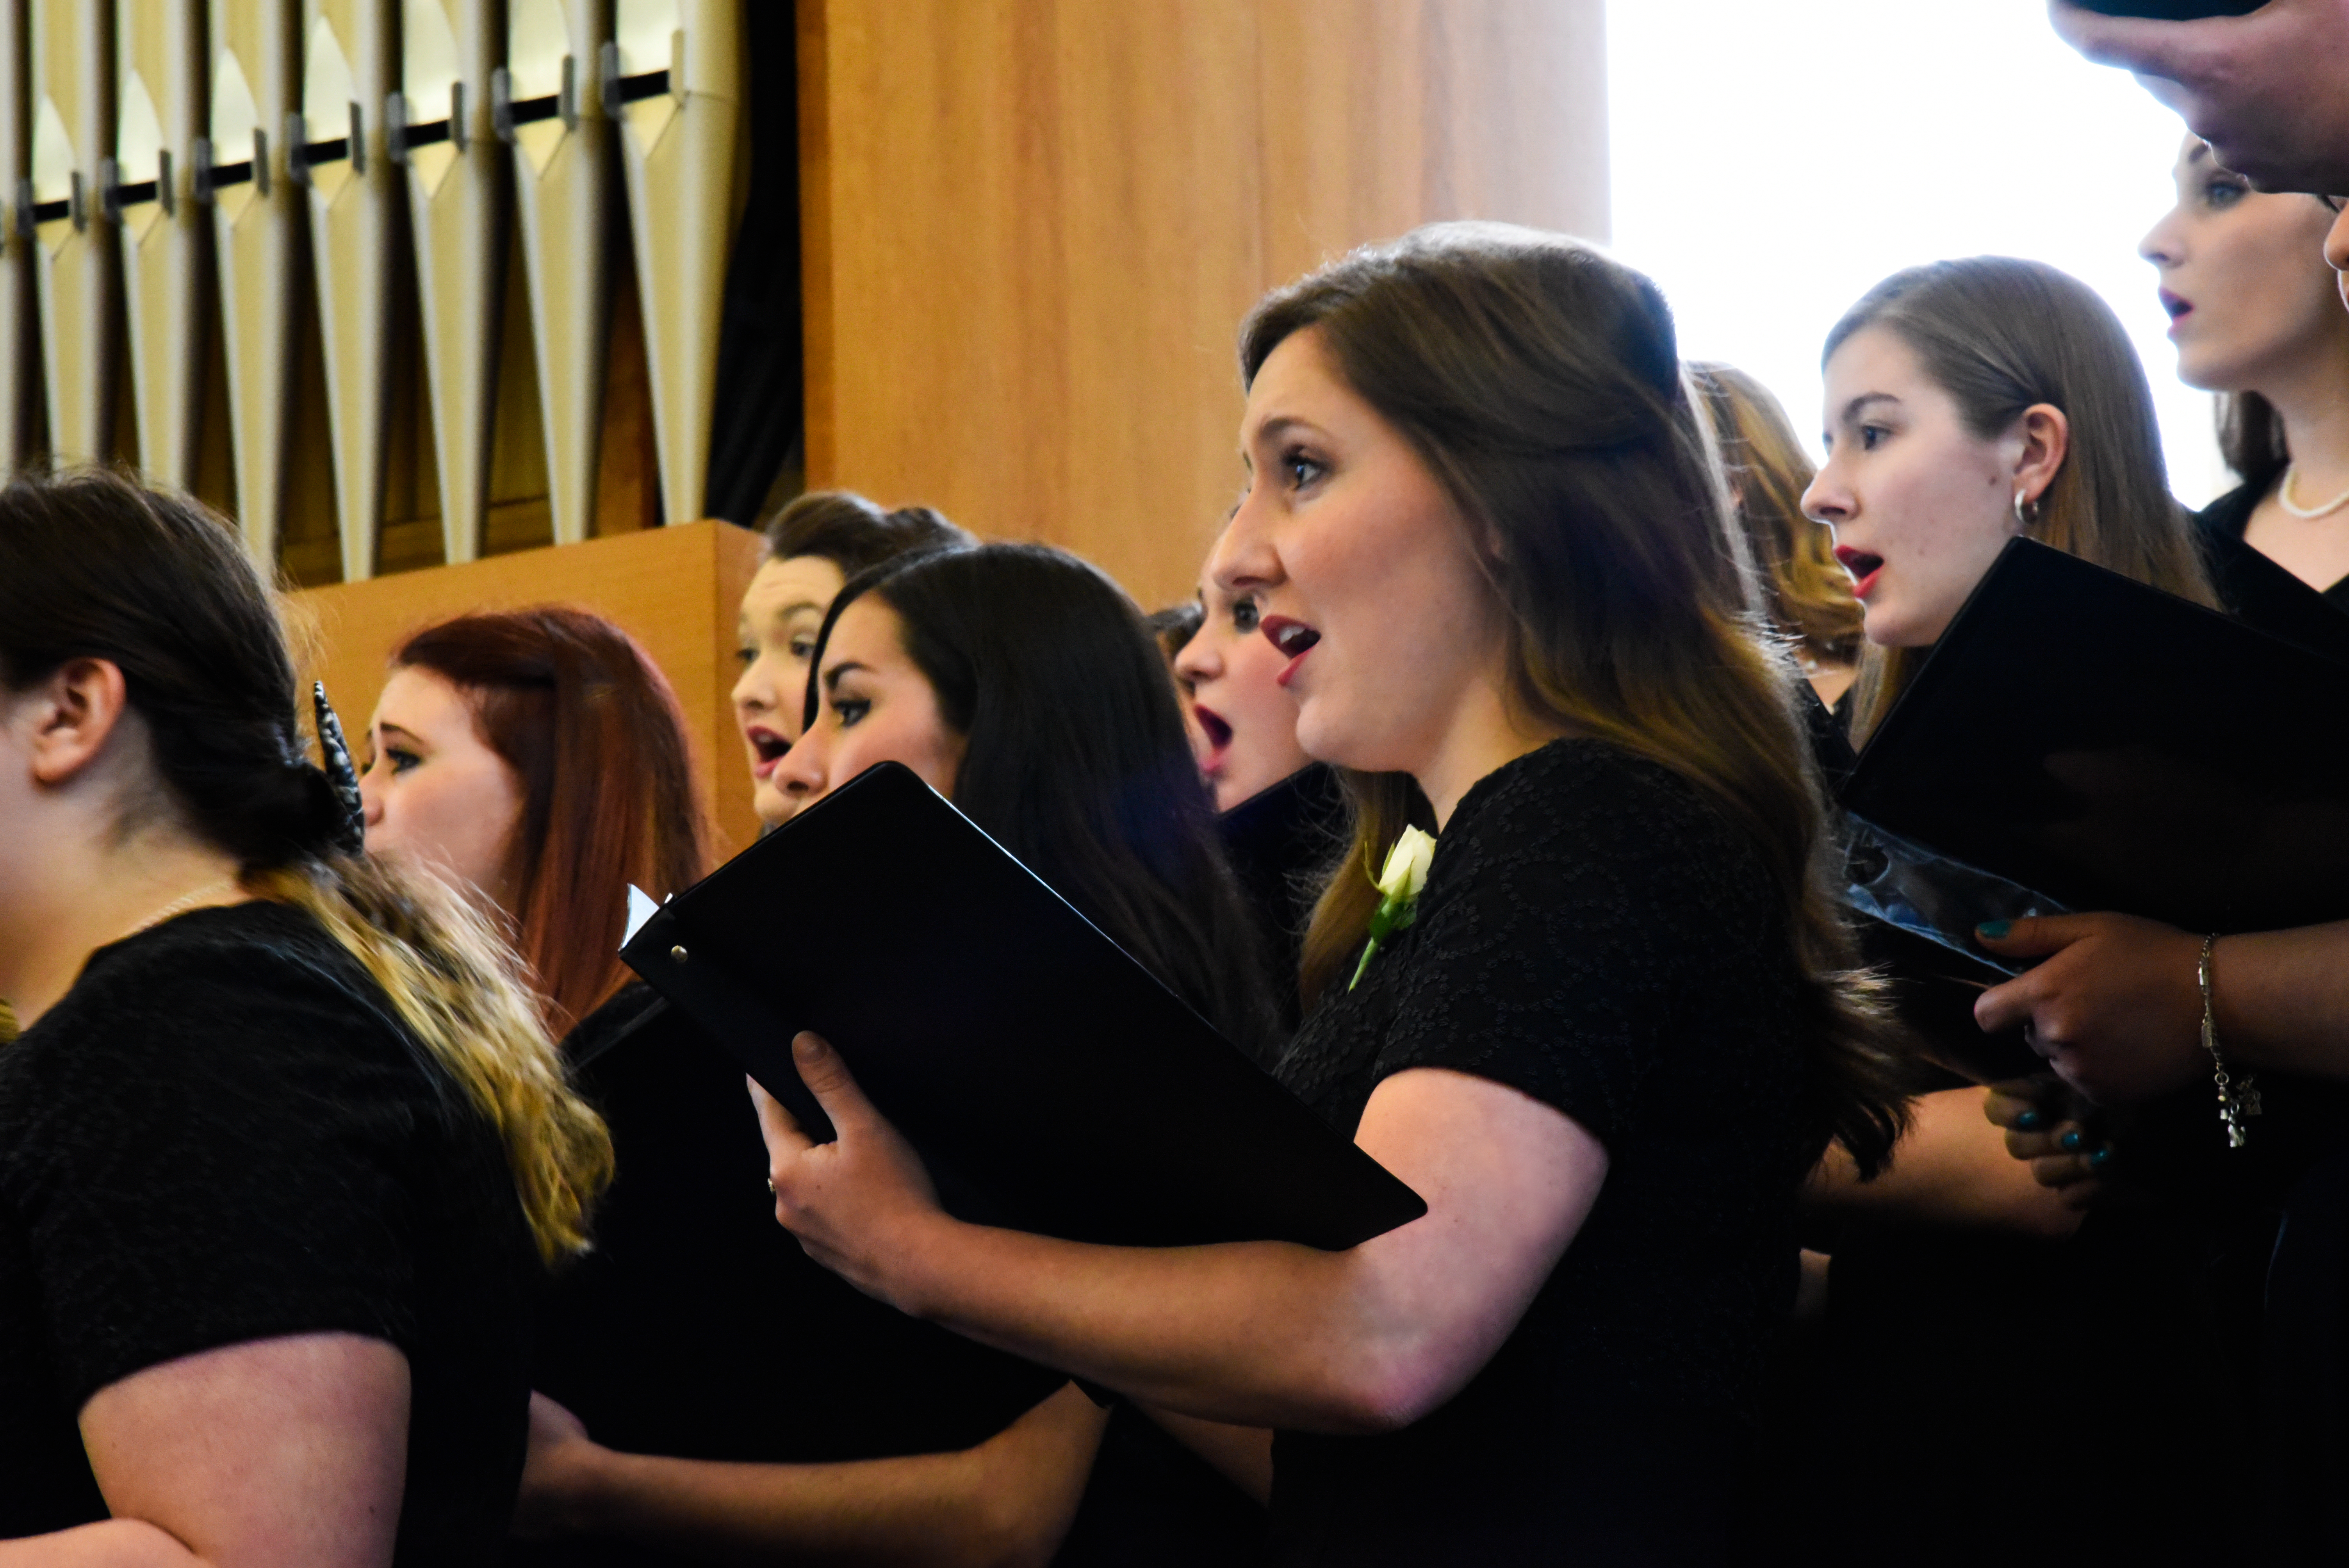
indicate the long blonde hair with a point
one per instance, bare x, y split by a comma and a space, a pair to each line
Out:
94, 565
1809, 592
1539, 381
2000, 334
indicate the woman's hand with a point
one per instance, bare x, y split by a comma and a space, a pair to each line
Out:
557, 1473
2114, 1004
2046, 1131
861, 1204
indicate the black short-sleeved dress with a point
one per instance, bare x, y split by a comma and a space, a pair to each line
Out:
1595, 935
222, 1134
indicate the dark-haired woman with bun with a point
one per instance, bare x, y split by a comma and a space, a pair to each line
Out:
814, 544
781, 1413
1483, 524
283, 1144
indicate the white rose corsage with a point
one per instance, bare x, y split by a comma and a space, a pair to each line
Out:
1399, 885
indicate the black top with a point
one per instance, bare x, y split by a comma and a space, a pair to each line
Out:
699, 1329
1281, 842
222, 1134
1595, 935
2256, 589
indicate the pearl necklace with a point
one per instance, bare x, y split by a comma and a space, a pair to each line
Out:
2284, 498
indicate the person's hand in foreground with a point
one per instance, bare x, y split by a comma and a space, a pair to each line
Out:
2265, 90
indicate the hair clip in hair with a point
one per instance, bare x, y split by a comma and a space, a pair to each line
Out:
351, 837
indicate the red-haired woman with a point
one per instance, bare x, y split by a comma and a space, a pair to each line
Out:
538, 757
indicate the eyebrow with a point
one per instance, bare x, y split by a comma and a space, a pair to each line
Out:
1851, 410
1274, 429
404, 733
832, 676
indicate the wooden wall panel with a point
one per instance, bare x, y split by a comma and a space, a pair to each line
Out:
1030, 227
676, 590
1379, 115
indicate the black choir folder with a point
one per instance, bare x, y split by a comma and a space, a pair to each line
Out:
1049, 1081
2117, 748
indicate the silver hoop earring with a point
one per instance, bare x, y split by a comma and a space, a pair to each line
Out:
2026, 512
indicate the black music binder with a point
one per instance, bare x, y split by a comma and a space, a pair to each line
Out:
2120, 748
1051, 1082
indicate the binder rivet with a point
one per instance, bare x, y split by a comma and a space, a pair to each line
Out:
676, 954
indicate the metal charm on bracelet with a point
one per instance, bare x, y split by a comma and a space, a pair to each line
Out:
2237, 1102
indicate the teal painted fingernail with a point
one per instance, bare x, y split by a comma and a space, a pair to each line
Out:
2029, 1121
1995, 930
2071, 1139
2102, 1157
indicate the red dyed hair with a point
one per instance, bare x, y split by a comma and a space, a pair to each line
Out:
593, 734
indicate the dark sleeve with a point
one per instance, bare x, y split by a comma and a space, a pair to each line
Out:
213, 1154
1561, 959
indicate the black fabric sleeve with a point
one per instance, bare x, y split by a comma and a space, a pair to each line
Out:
214, 1155
1575, 922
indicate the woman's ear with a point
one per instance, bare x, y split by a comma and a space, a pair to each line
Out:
73, 713
2046, 439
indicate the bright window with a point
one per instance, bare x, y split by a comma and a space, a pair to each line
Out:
1771, 162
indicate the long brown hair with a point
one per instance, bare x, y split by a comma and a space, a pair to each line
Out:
1539, 381
593, 733
1810, 593
2252, 438
2000, 334
95, 566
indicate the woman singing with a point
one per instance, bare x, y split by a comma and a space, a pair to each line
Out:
1484, 525
1020, 682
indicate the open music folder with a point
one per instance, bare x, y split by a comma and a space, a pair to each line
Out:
2117, 748
1048, 1080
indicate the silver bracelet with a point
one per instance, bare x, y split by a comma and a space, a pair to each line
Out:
2237, 1102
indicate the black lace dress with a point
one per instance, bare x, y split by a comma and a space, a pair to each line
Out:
1595, 934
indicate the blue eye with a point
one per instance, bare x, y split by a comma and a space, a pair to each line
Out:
401, 759
2223, 193
1301, 469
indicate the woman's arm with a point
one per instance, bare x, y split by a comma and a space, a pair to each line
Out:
1951, 1168
1256, 1333
2114, 1006
1006, 1502
279, 1453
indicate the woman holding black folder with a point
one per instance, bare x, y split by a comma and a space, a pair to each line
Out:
1968, 403
781, 1412
1484, 526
